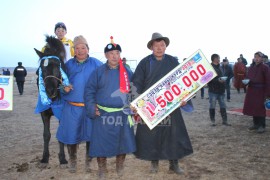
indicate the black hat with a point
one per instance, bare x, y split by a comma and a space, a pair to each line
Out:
60, 25
112, 46
19, 63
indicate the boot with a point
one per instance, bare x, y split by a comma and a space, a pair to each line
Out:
256, 124
174, 167
102, 167
261, 128
120, 164
224, 117
72, 151
154, 166
87, 158
212, 116
87, 163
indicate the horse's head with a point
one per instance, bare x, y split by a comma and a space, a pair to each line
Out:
50, 63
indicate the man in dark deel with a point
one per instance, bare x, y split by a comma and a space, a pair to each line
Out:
170, 142
20, 73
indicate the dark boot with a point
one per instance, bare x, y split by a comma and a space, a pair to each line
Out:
174, 167
154, 166
212, 116
224, 117
261, 128
102, 167
256, 124
88, 159
72, 151
120, 164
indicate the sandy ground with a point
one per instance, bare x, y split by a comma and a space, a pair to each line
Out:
219, 152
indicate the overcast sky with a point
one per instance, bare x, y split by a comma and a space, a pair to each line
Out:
228, 28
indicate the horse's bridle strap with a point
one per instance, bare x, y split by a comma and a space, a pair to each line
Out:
49, 57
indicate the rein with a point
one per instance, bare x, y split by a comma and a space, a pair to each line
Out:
51, 76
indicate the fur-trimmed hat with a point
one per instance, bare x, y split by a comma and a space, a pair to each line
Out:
158, 36
60, 25
79, 40
112, 46
259, 53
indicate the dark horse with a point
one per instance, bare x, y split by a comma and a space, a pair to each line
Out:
51, 60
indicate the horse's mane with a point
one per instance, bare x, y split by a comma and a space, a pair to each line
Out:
55, 47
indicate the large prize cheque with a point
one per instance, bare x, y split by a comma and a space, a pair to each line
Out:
6, 92
178, 85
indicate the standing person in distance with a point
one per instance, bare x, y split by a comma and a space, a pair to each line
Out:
20, 73
227, 71
239, 73
257, 92
216, 92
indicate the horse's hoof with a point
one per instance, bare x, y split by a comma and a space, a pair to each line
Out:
42, 165
63, 162
44, 161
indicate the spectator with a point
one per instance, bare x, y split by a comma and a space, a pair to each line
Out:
266, 60
8, 72
124, 60
20, 74
226, 70
4, 72
216, 92
258, 91
239, 72
244, 61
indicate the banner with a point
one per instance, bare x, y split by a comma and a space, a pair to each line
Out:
6, 92
179, 85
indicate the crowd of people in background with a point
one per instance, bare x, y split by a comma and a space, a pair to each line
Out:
6, 72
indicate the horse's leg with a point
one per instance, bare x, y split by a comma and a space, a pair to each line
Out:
61, 155
88, 159
46, 115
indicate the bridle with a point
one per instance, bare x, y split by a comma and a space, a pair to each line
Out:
51, 76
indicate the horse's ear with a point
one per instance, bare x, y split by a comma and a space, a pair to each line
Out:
39, 53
